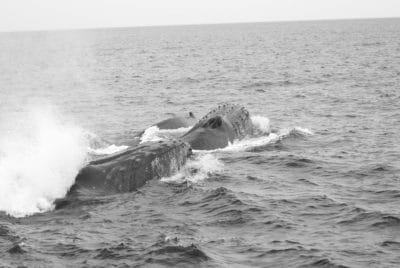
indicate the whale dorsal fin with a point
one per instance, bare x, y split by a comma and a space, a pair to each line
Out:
214, 122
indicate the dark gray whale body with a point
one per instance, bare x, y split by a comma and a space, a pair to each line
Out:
130, 169
127, 170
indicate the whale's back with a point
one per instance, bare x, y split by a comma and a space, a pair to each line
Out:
128, 170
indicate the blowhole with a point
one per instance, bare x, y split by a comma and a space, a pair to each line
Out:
214, 122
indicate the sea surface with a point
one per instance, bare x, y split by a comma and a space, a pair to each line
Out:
321, 190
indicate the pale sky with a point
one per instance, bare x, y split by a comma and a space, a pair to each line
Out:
17, 15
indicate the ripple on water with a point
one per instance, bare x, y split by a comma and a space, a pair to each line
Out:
67, 250
172, 252
9, 242
373, 171
223, 207
391, 244
324, 263
121, 251
373, 220
298, 162
220, 194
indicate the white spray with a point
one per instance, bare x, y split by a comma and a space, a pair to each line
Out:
40, 155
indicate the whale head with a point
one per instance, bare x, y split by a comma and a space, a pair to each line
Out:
219, 127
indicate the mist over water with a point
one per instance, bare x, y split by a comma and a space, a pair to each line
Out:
316, 186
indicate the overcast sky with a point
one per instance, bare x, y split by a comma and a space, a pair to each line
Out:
16, 15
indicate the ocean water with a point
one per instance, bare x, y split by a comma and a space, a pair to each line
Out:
323, 190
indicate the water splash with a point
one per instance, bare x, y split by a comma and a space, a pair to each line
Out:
40, 155
296, 132
261, 124
99, 146
197, 169
111, 149
153, 133
251, 142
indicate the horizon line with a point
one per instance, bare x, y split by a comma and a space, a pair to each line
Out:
191, 24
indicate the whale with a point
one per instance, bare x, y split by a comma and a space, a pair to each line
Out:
130, 169
219, 127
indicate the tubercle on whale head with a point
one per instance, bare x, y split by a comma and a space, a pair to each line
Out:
220, 126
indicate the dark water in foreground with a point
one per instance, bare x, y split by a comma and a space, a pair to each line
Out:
330, 199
